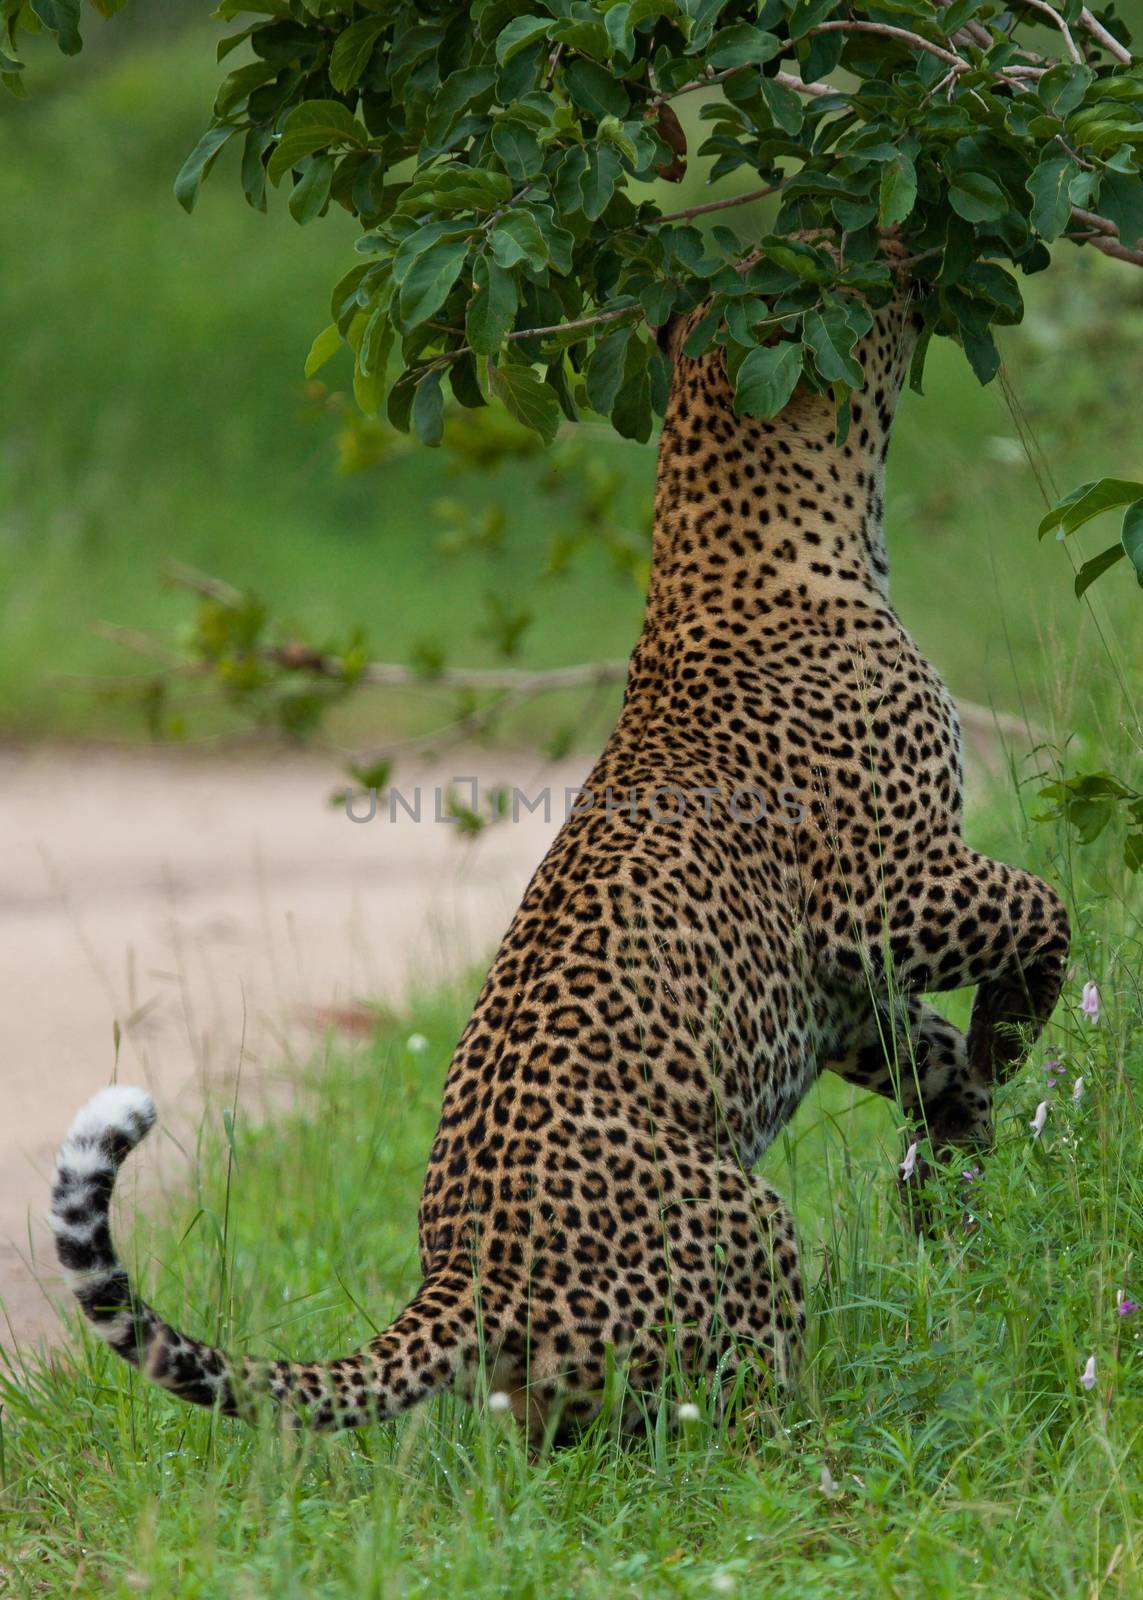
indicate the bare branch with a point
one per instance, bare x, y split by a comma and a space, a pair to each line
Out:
1104, 237
1058, 21
503, 680
1112, 247
1100, 34
886, 30
800, 86
717, 205
509, 685
1100, 224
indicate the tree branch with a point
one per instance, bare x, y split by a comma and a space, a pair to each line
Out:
800, 86
717, 205
1100, 224
1111, 247
1105, 237
1058, 21
886, 30
1099, 33
510, 685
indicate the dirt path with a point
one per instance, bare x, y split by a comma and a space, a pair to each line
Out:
198, 903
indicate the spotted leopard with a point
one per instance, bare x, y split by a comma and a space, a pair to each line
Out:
766, 874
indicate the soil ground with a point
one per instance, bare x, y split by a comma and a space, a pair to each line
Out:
224, 915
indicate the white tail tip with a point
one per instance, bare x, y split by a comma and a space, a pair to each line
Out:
120, 1109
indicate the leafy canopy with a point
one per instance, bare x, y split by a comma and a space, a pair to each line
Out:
499, 153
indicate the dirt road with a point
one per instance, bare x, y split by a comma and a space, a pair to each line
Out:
215, 909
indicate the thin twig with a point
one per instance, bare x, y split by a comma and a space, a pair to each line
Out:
800, 86
553, 63
717, 205
510, 685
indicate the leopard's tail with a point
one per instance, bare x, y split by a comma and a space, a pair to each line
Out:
419, 1354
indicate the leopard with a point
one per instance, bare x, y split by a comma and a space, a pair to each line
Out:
761, 879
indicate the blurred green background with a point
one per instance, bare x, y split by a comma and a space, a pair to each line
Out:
153, 408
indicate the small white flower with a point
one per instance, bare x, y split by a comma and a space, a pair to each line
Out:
1077, 1091
499, 1401
688, 1412
722, 1583
908, 1166
829, 1483
1087, 1376
416, 1044
1038, 1121
1089, 1001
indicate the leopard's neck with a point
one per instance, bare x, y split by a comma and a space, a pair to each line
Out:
754, 517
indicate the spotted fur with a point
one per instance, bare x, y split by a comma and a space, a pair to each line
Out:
672, 984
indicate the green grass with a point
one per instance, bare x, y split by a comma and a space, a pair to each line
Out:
941, 1385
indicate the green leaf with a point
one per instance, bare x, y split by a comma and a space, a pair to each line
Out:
1062, 89
460, 90
527, 398
1132, 537
518, 35
831, 339
518, 148
196, 166
310, 195
1050, 188
312, 126
742, 46
605, 370
1133, 852
428, 409
253, 171
61, 17
517, 237
595, 91
350, 55
430, 277
976, 197
377, 340
784, 105
983, 356
599, 179
1088, 501
1092, 569
492, 309
631, 416
806, 14
767, 378
1121, 201
898, 192
327, 344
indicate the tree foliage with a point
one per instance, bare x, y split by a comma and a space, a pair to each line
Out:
499, 156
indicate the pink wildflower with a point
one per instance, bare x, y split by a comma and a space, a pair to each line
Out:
1037, 1122
908, 1166
1124, 1303
1087, 1376
1089, 1002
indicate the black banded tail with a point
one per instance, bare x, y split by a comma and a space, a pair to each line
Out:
391, 1374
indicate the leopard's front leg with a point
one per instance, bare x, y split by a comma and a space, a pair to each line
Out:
1005, 930
906, 1051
